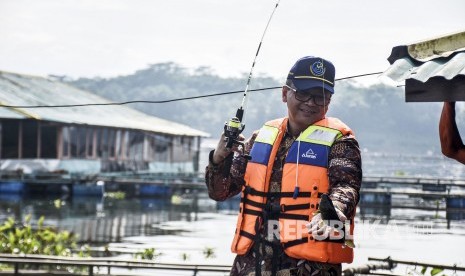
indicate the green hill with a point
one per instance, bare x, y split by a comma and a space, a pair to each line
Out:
381, 119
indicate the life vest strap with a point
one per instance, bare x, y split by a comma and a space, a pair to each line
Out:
293, 216
253, 212
282, 207
252, 203
294, 207
288, 194
276, 216
247, 234
294, 242
252, 191
305, 240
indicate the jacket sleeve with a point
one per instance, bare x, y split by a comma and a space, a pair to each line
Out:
345, 174
221, 188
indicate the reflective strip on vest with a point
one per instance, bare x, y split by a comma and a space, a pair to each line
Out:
267, 135
319, 135
263, 144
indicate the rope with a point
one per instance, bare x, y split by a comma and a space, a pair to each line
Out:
169, 100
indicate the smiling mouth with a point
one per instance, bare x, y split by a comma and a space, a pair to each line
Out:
308, 110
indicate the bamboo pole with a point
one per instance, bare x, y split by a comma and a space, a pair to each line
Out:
366, 269
448, 267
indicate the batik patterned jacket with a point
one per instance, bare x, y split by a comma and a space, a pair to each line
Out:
345, 176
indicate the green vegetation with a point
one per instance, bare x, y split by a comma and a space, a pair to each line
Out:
209, 252
22, 238
115, 195
433, 272
185, 256
425, 271
148, 254
58, 203
400, 173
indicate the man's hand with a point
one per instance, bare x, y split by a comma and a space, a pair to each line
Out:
320, 228
221, 152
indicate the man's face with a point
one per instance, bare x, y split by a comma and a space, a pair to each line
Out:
305, 107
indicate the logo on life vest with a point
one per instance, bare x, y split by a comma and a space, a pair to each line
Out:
309, 154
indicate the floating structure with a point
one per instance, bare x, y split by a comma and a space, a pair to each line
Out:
92, 265
148, 267
39, 139
379, 195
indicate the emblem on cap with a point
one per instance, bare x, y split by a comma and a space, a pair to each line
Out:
318, 69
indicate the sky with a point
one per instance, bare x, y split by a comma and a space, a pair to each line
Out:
108, 38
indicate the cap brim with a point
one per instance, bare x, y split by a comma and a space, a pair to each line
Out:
304, 84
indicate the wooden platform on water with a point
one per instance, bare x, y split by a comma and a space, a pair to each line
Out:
150, 184
45, 265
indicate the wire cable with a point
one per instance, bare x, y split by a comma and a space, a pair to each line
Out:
169, 100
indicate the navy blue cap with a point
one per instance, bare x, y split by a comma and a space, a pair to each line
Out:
309, 72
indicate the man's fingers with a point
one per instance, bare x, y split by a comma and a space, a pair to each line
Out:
221, 151
316, 218
341, 215
318, 227
313, 229
315, 224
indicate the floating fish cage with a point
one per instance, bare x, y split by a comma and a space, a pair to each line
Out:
11, 187
455, 208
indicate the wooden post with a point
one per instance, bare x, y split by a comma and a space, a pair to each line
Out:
60, 142
39, 139
20, 140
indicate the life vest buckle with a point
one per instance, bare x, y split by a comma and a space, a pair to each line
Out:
273, 208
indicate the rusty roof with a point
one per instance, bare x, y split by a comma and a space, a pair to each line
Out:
433, 69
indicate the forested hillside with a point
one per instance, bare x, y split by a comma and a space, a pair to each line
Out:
381, 119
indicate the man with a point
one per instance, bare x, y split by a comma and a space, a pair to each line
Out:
451, 143
294, 160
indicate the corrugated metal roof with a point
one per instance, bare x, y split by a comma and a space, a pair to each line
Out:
22, 90
9, 114
407, 68
438, 47
433, 70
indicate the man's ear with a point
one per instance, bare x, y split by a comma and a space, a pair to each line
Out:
284, 94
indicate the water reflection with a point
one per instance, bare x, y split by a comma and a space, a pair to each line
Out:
103, 220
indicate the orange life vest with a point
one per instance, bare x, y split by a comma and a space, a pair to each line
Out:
306, 163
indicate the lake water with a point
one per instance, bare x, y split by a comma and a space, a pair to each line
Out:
429, 164
432, 164
181, 230
181, 234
